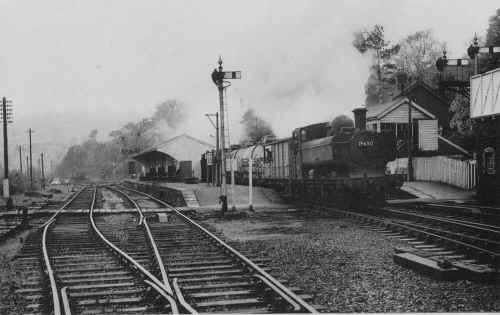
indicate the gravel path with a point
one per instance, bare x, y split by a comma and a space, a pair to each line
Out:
350, 269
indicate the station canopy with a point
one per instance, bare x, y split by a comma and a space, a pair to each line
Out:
153, 155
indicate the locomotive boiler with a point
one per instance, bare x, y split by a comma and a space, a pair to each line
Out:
323, 151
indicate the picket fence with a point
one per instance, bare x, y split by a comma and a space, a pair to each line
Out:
442, 169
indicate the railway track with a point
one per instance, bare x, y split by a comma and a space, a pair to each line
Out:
208, 274
452, 242
89, 263
482, 235
464, 212
81, 272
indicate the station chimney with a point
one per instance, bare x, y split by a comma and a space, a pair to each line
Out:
360, 118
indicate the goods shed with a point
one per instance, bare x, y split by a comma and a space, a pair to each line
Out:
177, 158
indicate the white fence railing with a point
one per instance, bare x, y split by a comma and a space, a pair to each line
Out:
441, 169
457, 173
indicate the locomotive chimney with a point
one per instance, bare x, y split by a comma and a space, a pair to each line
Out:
360, 118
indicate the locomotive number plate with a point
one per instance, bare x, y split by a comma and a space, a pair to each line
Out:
363, 144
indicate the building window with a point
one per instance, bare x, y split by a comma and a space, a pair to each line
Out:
489, 160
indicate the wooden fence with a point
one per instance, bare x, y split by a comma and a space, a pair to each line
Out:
442, 169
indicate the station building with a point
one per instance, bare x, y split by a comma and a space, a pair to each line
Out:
485, 115
175, 159
394, 116
430, 118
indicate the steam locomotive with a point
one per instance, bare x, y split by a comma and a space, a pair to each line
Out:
319, 152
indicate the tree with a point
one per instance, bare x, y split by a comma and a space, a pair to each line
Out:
136, 137
255, 127
460, 122
374, 41
418, 53
493, 31
493, 39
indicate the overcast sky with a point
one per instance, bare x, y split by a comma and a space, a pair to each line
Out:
72, 66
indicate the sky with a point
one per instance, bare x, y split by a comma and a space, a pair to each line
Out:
73, 66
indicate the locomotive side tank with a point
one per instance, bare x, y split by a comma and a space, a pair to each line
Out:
323, 151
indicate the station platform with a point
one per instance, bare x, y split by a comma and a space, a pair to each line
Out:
204, 197
432, 191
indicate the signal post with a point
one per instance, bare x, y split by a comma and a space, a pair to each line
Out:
218, 77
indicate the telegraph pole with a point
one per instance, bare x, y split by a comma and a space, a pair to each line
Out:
410, 138
20, 160
6, 116
30, 131
217, 165
216, 126
218, 77
43, 172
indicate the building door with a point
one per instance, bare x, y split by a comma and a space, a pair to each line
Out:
427, 135
487, 181
185, 169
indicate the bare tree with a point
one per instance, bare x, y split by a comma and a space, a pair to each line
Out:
418, 53
374, 41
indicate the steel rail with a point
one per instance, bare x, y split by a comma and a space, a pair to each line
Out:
64, 206
176, 293
277, 285
387, 222
468, 210
180, 296
460, 223
65, 299
459, 219
466, 238
143, 222
157, 284
50, 272
296, 307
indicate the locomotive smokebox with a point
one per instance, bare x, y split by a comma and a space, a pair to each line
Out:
360, 118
